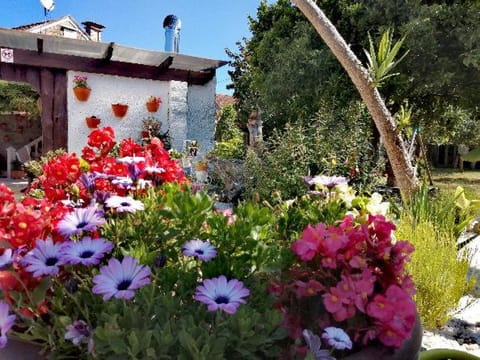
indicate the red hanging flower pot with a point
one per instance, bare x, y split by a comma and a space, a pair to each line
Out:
82, 93
92, 122
153, 103
120, 110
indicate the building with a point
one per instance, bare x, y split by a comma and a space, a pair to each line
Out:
116, 74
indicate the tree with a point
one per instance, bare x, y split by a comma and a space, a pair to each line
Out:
393, 142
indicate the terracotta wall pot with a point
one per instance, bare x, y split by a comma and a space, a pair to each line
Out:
120, 110
92, 122
81, 93
153, 106
17, 174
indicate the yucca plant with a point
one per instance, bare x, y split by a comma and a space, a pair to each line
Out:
381, 61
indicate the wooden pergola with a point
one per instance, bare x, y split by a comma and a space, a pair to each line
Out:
43, 62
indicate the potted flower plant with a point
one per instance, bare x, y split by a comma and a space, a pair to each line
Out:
153, 103
17, 172
81, 88
150, 127
119, 110
92, 122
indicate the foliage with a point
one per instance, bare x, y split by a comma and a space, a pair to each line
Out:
229, 142
329, 144
428, 223
382, 61
284, 51
230, 149
19, 97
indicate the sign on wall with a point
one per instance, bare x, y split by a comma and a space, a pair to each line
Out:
6, 55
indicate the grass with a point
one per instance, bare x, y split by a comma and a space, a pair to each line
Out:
449, 179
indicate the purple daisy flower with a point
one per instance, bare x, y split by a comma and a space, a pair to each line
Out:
314, 346
6, 322
81, 219
87, 251
6, 258
337, 338
327, 181
154, 170
88, 181
131, 159
123, 181
44, 259
79, 332
124, 204
218, 293
121, 279
202, 250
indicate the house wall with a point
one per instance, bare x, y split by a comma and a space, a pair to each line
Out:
187, 112
201, 115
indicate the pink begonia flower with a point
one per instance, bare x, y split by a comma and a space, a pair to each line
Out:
335, 240
390, 337
329, 262
307, 246
340, 307
305, 289
380, 227
400, 254
381, 308
346, 288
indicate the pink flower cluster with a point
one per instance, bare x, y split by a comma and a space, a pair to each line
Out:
355, 273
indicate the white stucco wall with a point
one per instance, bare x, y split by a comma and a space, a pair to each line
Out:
188, 112
201, 115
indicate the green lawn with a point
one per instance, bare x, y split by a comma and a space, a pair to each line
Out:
449, 179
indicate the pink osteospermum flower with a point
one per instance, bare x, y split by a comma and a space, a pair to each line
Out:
121, 279
220, 294
6, 323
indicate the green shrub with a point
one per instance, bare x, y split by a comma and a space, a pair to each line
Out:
337, 142
439, 272
230, 149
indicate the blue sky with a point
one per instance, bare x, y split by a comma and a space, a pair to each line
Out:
208, 27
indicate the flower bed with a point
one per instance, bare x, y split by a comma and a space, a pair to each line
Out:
116, 255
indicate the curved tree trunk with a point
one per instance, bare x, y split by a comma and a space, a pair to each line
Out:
393, 142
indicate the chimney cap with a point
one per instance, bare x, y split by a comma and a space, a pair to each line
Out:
93, 25
172, 22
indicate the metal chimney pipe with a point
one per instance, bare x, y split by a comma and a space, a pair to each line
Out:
172, 26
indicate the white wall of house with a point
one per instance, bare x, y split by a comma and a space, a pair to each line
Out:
188, 112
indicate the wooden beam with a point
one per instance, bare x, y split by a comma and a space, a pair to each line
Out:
39, 45
108, 53
98, 66
165, 64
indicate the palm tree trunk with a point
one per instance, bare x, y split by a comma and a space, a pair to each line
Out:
392, 140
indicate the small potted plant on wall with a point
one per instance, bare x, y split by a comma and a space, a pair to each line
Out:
119, 110
80, 88
92, 121
153, 103
18, 171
